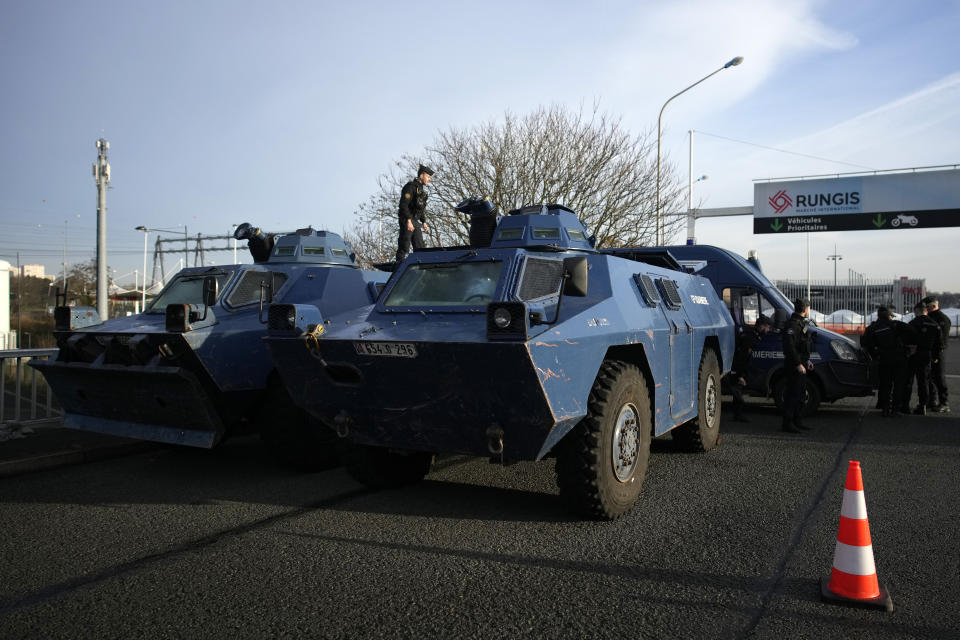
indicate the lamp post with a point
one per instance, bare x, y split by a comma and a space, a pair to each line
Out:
732, 63
147, 230
836, 256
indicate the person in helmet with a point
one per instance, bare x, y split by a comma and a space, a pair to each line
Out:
413, 213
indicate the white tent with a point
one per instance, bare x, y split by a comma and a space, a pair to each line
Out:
844, 316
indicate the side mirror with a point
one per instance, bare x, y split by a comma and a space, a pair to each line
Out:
575, 276
211, 290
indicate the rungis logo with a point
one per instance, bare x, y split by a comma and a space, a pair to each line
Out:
780, 201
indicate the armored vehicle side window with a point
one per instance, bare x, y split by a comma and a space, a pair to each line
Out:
576, 234
248, 289
510, 234
540, 278
548, 233
285, 251
338, 252
670, 293
446, 284
185, 290
313, 251
648, 289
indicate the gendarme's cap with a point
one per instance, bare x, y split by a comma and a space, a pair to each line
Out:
425, 169
799, 304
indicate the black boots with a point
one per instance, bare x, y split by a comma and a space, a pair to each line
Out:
789, 426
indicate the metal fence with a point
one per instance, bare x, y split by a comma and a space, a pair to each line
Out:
26, 397
849, 307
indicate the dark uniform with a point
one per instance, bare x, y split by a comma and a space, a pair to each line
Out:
742, 353
886, 341
927, 334
413, 207
938, 365
796, 351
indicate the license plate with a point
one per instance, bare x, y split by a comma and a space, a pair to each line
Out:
391, 349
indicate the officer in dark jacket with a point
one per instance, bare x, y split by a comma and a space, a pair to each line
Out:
737, 378
927, 333
413, 213
886, 341
796, 365
938, 365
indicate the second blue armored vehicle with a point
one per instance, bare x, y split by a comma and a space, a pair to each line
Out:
192, 368
528, 344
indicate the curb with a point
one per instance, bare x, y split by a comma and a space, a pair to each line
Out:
69, 457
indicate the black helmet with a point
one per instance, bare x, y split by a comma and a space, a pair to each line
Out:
425, 169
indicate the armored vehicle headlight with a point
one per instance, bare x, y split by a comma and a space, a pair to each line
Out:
843, 350
507, 321
282, 317
501, 318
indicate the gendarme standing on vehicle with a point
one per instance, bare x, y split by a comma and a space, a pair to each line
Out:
796, 365
413, 213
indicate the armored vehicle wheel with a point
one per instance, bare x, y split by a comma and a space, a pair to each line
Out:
293, 437
701, 433
809, 401
602, 462
380, 468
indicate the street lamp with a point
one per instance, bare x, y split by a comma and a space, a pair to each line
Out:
147, 230
732, 63
836, 256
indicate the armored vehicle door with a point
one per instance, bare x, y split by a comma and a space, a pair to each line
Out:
683, 367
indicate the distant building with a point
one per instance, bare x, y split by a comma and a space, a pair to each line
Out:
36, 271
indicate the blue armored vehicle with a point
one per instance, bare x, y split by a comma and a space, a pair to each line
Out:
191, 367
841, 367
528, 344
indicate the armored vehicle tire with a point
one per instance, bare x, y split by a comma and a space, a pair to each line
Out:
294, 438
809, 402
602, 462
380, 468
701, 433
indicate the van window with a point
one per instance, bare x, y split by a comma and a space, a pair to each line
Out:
746, 304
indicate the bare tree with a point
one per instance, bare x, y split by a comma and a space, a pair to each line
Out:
586, 161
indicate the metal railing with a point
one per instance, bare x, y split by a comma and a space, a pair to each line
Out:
850, 306
20, 403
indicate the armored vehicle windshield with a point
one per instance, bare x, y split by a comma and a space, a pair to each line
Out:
446, 284
187, 288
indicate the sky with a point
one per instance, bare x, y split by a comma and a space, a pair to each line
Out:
285, 114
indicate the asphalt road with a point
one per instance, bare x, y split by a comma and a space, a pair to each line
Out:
731, 544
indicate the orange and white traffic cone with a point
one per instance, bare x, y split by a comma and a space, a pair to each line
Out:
853, 579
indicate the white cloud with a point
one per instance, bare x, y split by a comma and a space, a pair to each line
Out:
673, 40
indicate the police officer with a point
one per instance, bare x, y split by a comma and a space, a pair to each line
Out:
738, 376
413, 213
796, 365
928, 348
886, 341
938, 381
